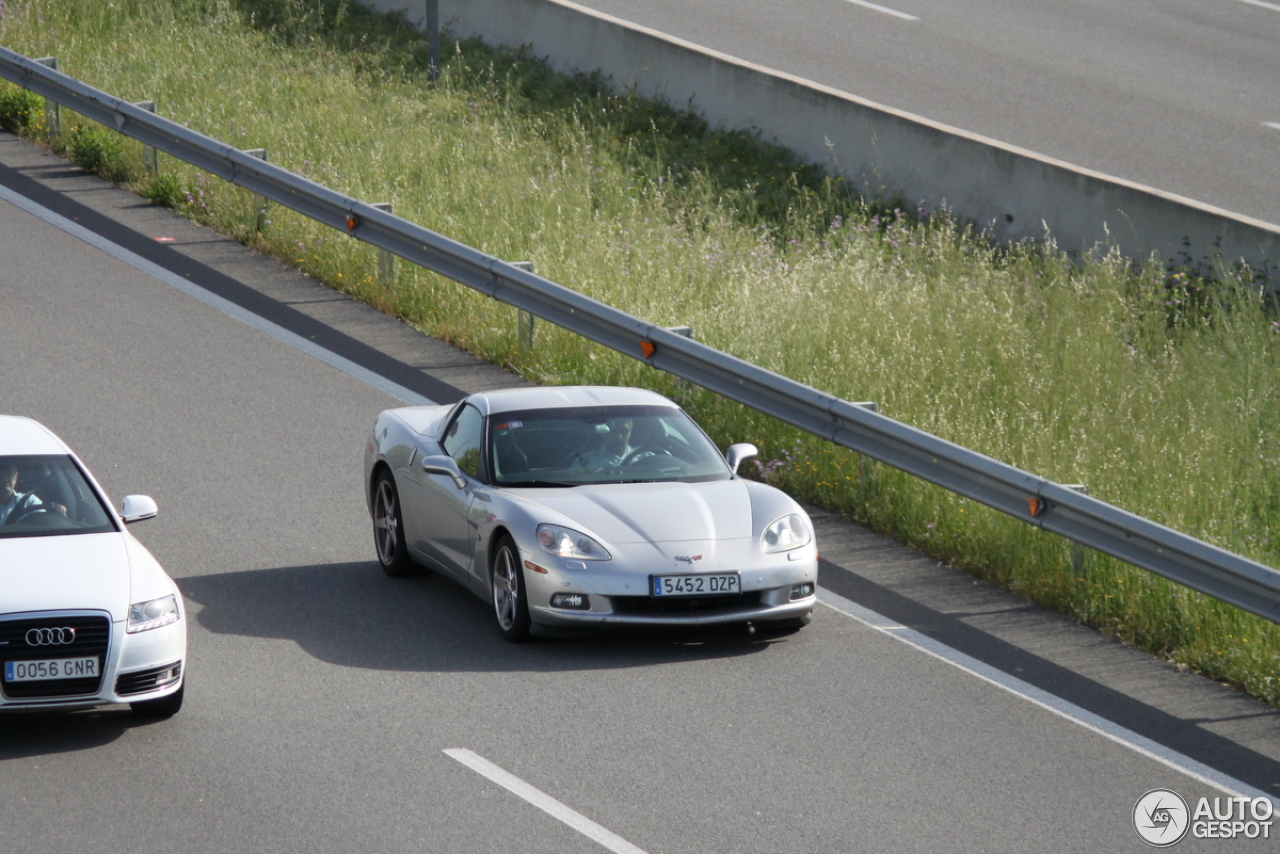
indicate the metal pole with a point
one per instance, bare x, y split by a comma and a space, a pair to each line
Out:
259, 201
150, 157
863, 483
1079, 553
386, 260
524, 319
433, 39
52, 109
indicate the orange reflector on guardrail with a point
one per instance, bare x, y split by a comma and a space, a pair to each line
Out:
1036, 506
647, 348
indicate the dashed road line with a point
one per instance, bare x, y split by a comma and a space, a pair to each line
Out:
878, 8
542, 801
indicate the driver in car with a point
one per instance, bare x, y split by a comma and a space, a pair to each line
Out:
14, 503
616, 447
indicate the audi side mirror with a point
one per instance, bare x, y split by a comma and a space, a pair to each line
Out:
135, 508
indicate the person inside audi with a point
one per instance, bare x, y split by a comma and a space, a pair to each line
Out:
14, 504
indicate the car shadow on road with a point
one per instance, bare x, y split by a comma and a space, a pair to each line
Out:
24, 734
351, 614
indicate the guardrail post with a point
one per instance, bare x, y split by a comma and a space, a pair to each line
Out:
863, 482
259, 201
1079, 553
524, 320
433, 40
150, 157
386, 260
52, 109
683, 387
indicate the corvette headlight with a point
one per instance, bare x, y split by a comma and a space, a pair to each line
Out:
785, 534
566, 542
152, 615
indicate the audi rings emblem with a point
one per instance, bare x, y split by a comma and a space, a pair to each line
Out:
51, 637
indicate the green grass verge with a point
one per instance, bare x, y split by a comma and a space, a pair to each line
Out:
1143, 381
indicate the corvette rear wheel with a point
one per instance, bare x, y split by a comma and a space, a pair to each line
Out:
510, 603
388, 529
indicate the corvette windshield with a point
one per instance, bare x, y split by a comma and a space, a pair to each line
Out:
43, 496
614, 444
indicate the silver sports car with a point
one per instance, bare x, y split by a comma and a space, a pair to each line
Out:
586, 507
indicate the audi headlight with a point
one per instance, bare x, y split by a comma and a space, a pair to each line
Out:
783, 535
144, 616
566, 542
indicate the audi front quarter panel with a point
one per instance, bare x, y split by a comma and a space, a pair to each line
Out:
586, 507
87, 615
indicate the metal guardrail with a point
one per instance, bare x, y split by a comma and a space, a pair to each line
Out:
1054, 507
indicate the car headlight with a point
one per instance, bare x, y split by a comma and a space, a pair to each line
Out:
783, 535
566, 542
144, 616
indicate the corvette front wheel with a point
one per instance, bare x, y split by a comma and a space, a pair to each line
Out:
510, 605
388, 529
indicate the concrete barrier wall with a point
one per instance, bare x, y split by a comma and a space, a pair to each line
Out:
1015, 193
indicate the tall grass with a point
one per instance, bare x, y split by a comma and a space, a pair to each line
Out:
1139, 381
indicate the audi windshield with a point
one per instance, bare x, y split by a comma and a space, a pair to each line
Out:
48, 495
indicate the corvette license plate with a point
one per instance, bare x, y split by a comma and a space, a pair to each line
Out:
696, 585
54, 668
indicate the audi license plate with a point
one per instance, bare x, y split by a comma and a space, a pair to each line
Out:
696, 585
54, 668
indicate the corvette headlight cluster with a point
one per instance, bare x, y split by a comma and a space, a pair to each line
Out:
153, 614
566, 542
783, 535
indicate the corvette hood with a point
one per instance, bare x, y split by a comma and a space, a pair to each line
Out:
81, 571
657, 512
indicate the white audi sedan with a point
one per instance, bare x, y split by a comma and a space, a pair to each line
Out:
87, 615
586, 507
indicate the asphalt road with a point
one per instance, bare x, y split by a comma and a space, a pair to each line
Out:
1180, 95
921, 711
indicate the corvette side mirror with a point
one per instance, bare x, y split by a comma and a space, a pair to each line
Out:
739, 453
440, 464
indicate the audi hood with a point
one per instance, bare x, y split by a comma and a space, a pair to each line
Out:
84, 571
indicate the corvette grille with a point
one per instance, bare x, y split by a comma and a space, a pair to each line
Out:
92, 637
684, 604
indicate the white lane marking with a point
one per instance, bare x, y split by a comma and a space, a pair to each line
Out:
1094, 723
903, 15
542, 801
274, 330
1262, 4
1275, 125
